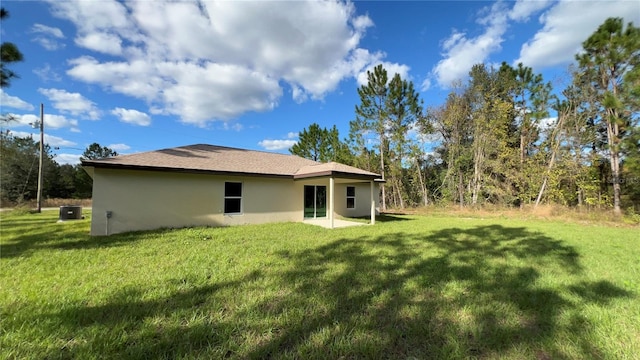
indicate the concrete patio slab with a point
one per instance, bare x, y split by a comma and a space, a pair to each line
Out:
337, 223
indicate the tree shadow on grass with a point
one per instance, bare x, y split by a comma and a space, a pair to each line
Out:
68, 239
140, 325
383, 218
22, 237
476, 294
482, 292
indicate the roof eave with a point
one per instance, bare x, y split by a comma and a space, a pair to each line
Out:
180, 170
337, 174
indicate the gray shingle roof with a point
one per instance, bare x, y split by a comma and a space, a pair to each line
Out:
220, 159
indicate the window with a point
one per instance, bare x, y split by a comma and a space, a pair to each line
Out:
232, 198
351, 197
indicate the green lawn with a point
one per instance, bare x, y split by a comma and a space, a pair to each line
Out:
410, 287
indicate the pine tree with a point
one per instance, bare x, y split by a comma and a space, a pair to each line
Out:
321, 144
9, 53
312, 143
404, 108
95, 151
610, 63
531, 97
372, 115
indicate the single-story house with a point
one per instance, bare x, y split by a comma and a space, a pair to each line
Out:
208, 185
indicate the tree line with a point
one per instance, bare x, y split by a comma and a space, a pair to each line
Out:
505, 136
19, 171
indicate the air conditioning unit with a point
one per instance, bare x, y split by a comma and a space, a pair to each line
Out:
70, 213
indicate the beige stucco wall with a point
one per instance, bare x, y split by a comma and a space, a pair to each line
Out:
144, 200
363, 199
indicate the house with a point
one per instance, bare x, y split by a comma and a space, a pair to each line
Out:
208, 185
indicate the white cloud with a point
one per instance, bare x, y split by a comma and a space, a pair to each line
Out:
523, 9
547, 123
392, 69
209, 61
462, 52
197, 92
566, 25
14, 102
23, 134
138, 78
46, 74
72, 103
362, 22
235, 126
56, 141
194, 96
132, 116
119, 147
90, 17
47, 30
47, 43
426, 84
275, 145
48, 36
50, 121
50, 140
71, 159
101, 42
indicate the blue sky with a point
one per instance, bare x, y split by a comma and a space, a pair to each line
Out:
146, 75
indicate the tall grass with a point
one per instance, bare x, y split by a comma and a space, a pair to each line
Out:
411, 286
46, 203
584, 215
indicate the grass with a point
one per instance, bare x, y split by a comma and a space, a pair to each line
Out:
410, 287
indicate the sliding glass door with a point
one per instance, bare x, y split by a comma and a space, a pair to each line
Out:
315, 201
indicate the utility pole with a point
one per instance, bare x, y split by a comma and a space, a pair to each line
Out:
40, 165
